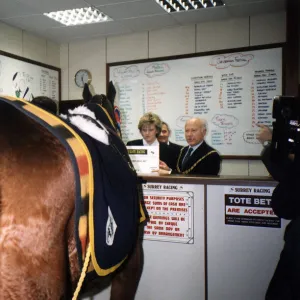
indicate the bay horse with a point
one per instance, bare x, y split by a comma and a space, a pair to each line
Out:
38, 255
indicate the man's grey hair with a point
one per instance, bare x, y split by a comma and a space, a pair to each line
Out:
204, 124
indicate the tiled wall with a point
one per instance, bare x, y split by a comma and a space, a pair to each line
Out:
22, 43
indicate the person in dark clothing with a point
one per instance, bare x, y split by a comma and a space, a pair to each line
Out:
173, 149
285, 203
198, 157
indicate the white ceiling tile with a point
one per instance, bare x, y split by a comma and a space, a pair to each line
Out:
132, 9
53, 5
105, 2
14, 8
240, 2
33, 23
201, 15
255, 8
150, 22
129, 15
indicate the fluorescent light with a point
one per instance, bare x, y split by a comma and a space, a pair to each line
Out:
171, 6
78, 16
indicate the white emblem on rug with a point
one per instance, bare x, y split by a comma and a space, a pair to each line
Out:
111, 228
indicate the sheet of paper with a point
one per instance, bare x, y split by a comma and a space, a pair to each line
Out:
145, 159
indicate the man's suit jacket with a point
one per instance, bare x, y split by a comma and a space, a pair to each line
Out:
204, 161
173, 154
163, 149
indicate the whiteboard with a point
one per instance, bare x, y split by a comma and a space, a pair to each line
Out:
232, 91
26, 79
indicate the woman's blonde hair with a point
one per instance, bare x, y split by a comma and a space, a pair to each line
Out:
151, 118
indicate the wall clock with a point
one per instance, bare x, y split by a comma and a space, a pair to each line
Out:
82, 76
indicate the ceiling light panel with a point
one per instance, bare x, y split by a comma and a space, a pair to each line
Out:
79, 16
172, 6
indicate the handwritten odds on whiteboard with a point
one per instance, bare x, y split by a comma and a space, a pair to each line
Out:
126, 72
225, 121
157, 69
232, 60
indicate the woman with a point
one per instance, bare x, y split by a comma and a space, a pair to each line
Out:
150, 127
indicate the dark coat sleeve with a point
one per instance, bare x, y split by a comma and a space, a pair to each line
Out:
279, 169
169, 154
286, 196
286, 199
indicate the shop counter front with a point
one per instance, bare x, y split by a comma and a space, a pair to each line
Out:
213, 238
209, 238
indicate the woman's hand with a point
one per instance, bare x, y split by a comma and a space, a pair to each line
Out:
163, 169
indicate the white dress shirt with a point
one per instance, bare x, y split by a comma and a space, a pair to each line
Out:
155, 143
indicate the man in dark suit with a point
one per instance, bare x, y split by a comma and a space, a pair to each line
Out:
173, 149
198, 157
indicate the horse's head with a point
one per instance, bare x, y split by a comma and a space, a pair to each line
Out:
106, 102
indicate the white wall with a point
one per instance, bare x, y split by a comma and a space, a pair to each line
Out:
223, 34
22, 43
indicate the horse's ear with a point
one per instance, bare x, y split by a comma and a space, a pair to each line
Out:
86, 94
111, 92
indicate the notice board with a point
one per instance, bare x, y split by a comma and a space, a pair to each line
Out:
24, 78
232, 91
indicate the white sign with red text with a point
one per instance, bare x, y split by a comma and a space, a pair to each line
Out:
171, 209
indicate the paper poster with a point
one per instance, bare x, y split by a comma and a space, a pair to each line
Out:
145, 159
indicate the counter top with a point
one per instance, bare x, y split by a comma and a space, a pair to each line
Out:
193, 179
